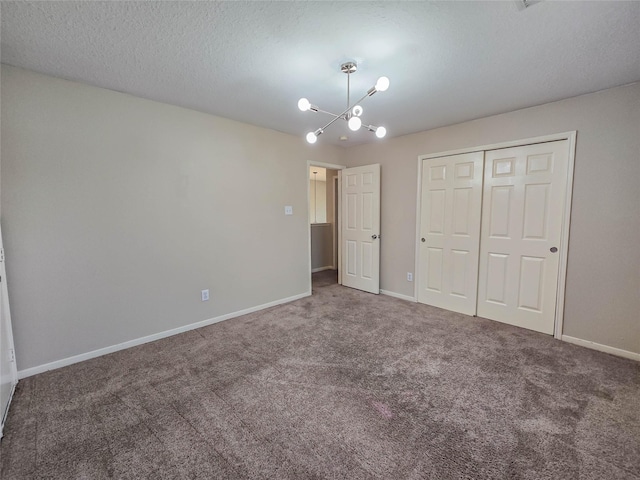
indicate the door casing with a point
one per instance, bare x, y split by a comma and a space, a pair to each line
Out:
8, 368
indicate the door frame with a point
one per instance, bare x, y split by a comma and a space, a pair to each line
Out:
338, 226
571, 136
5, 317
339, 168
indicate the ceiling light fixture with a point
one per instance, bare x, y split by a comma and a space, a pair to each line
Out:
353, 112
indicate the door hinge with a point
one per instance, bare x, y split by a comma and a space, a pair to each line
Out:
12, 355
1, 254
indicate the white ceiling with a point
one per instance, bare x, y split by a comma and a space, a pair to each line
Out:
251, 61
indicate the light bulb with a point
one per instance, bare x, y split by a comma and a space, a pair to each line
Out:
355, 123
382, 84
311, 137
303, 104
381, 132
357, 111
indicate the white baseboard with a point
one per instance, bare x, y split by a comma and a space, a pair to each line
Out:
322, 269
398, 295
28, 372
602, 348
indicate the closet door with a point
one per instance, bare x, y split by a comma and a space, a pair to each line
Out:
524, 196
451, 200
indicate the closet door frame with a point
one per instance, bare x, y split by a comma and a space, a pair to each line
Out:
566, 219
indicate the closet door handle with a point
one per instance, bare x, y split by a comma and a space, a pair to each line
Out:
422, 240
553, 249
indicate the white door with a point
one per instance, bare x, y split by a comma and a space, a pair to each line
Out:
451, 201
8, 372
361, 228
524, 196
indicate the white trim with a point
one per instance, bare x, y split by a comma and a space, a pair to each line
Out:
6, 318
28, 372
6, 410
602, 348
339, 227
564, 240
322, 269
334, 231
416, 248
332, 166
398, 295
566, 221
308, 215
496, 146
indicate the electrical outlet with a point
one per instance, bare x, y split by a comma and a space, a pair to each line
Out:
288, 210
204, 294
409, 277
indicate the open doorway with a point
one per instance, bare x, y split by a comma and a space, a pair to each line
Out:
324, 224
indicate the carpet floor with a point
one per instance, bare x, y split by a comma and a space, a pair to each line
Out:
342, 384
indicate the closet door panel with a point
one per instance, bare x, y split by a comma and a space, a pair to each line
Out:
451, 198
524, 195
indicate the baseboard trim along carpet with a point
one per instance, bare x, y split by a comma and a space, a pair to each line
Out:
28, 372
602, 348
565, 338
322, 269
398, 295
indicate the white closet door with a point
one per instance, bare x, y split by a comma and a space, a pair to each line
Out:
450, 231
524, 195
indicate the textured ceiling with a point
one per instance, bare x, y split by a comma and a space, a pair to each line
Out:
250, 61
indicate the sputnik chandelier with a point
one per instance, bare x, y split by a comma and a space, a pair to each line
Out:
353, 112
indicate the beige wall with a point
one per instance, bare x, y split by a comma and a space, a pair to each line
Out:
603, 277
321, 245
331, 174
317, 201
117, 211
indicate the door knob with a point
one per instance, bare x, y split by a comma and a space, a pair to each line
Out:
423, 239
374, 236
553, 249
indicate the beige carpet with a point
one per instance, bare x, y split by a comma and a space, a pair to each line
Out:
342, 384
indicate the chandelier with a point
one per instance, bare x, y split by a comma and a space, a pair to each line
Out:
353, 112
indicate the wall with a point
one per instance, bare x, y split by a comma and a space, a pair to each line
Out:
603, 275
321, 246
331, 215
117, 211
317, 201
330, 202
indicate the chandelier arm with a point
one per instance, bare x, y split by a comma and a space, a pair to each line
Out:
344, 113
328, 113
